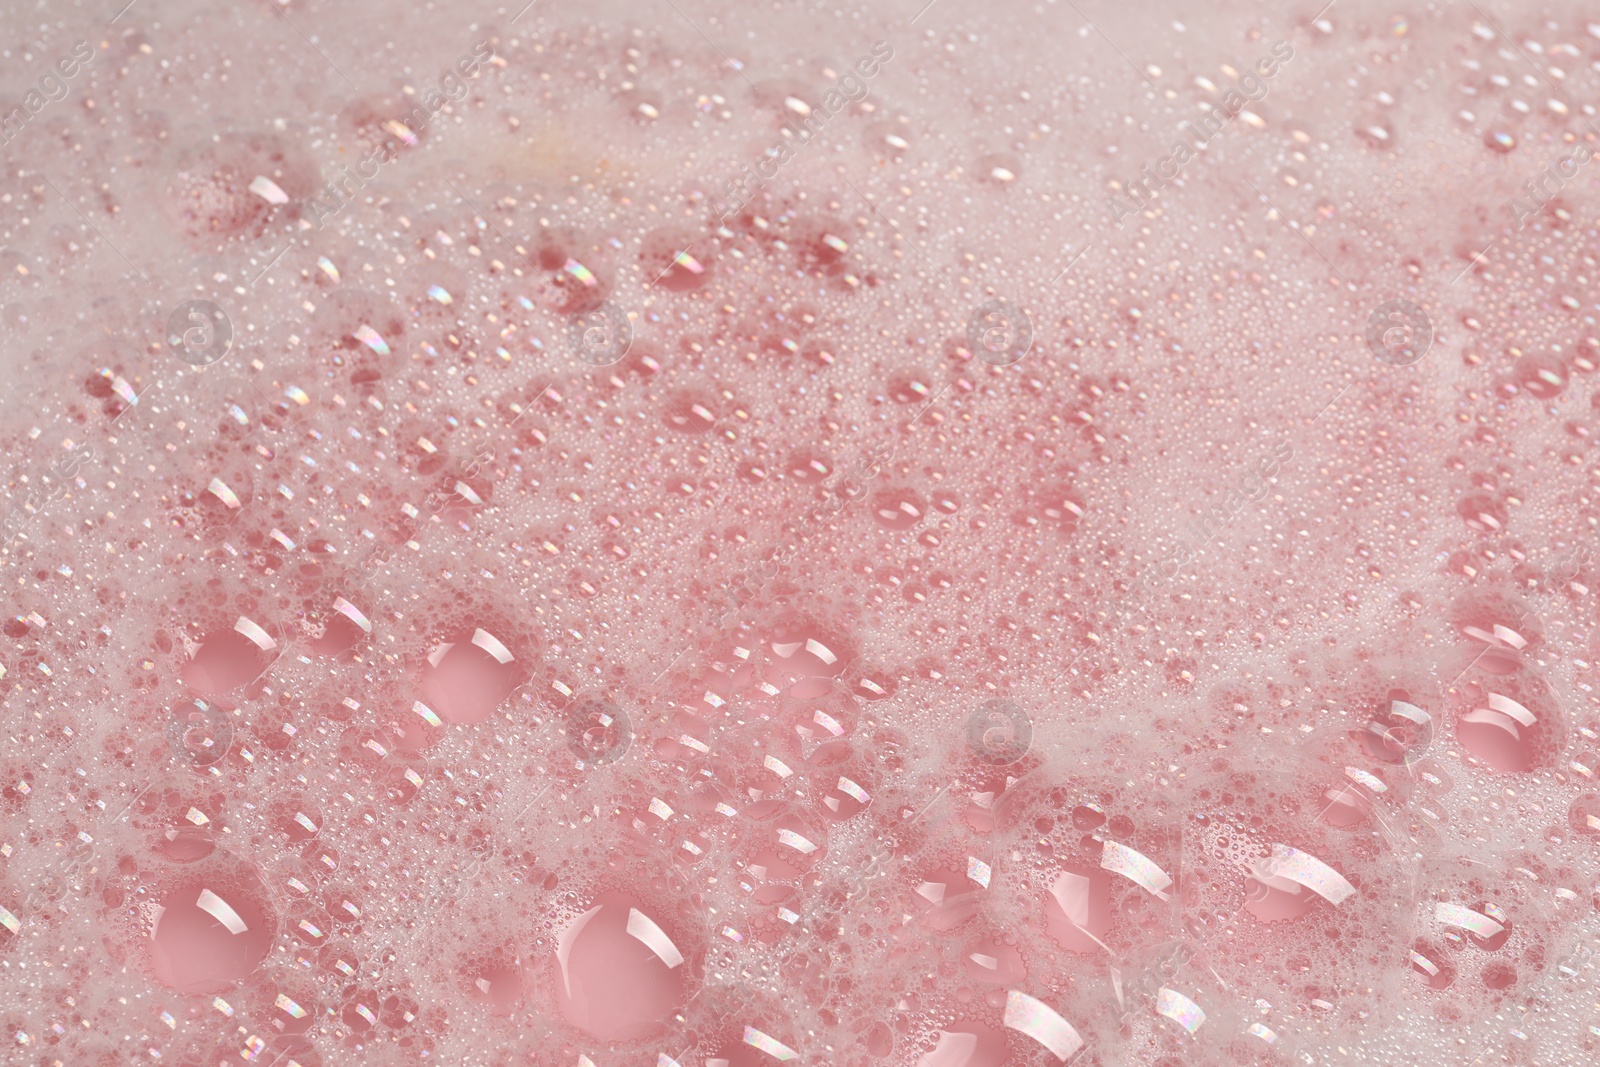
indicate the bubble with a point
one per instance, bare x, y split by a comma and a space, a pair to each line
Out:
1483, 513
496, 983
228, 659
1078, 909
1583, 815
1399, 333
1399, 733
411, 727
1509, 727
1001, 169
887, 140
1542, 375
619, 974
598, 731
186, 844
690, 412
1503, 631
808, 656
600, 336
198, 734
297, 820
967, 1044
673, 259
786, 848
1289, 883
809, 467
898, 509
844, 795
993, 962
337, 629
287, 1008
999, 733
1000, 333
467, 678
1431, 966
199, 332
1490, 936
207, 934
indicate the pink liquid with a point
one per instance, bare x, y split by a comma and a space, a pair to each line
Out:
721, 537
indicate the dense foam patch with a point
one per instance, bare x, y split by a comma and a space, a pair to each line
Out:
723, 537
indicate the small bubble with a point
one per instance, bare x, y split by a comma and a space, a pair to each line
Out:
1000, 333
1500, 141
999, 732
199, 332
1399, 332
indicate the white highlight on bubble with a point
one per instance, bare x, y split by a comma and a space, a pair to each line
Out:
491, 644
1499, 710
221, 911
1499, 635
353, 613
1044, 1024
255, 634
268, 190
770, 1045
1180, 1009
796, 842
827, 722
854, 790
979, 871
1071, 891
1307, 870
1365, 780
372, 339
1136, 867
220, 490
1264, 1033
1459, 915
1424, 964
644, 929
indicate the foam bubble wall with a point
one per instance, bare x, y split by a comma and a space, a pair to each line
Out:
674, 533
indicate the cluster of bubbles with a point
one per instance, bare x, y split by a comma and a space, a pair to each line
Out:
563, 626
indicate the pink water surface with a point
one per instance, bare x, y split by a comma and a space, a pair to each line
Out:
686, 534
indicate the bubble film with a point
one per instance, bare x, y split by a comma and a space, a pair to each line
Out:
689, 534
